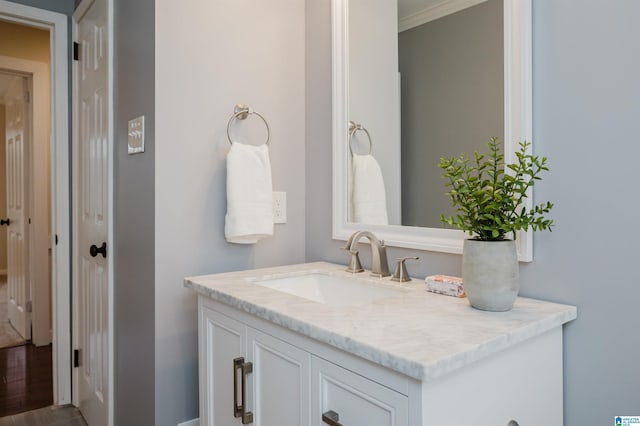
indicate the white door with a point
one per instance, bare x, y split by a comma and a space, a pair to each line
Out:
17, 241
92, 204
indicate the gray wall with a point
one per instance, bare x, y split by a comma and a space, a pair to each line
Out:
204, 66
452, 101
586, 110
134, 216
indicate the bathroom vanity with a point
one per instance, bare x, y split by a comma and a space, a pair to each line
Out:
313, 345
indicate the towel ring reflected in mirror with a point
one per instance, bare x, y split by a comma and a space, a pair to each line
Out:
353, 128
241, 112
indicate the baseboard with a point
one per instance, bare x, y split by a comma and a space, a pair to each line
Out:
194, 422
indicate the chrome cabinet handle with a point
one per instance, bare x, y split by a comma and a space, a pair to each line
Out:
239, 410
331, 418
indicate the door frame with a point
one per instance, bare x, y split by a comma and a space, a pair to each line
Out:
56, 24
80, 11
35, 193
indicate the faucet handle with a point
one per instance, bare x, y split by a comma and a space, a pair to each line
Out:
401, 274
354, 264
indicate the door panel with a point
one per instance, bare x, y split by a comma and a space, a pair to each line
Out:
17, 272
281, 375
93, 174
221, 341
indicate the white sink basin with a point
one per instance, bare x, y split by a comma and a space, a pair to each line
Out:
330, 289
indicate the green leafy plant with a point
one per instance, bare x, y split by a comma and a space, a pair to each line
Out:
488, 200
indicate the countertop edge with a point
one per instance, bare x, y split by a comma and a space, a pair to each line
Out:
411, 368
460, 360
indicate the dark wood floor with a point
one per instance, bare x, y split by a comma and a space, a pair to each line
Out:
27, 379
47, 416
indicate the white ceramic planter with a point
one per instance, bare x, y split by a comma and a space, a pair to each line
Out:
490, 272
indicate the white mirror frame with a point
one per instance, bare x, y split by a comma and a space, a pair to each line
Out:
517, 128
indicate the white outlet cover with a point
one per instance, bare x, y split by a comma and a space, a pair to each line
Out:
279, 207
135, 135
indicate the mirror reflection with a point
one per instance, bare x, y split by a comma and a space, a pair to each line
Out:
425, 81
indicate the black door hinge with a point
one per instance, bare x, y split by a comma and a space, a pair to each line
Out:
76, 51
76, 358
56, 239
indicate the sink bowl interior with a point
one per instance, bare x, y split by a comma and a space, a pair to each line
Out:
329, 289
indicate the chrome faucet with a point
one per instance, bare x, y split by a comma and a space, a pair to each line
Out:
379, 265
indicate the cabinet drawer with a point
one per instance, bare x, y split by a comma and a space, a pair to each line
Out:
356, 400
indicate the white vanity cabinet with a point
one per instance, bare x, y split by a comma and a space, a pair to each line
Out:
275, 374
284, 385
409, 359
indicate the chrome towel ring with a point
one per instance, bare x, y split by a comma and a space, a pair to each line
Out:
353, 128
241, 112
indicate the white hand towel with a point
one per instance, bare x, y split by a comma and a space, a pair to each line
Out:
249, 194
367, 196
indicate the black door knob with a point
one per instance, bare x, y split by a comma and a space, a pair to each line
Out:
6, 221
95, 250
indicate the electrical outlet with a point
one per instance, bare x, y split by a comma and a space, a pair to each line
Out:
279, 207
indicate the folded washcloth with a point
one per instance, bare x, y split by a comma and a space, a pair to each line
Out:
249, 194
367, 196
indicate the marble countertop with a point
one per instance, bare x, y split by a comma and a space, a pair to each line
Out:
417, 333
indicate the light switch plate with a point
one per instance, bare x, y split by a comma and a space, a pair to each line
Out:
135, 135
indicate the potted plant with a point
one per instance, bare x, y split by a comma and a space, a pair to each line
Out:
488, 196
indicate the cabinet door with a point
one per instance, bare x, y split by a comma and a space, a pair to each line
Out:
221, 340
279, 387
356, 400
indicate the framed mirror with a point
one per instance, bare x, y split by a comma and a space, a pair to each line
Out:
413, 81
